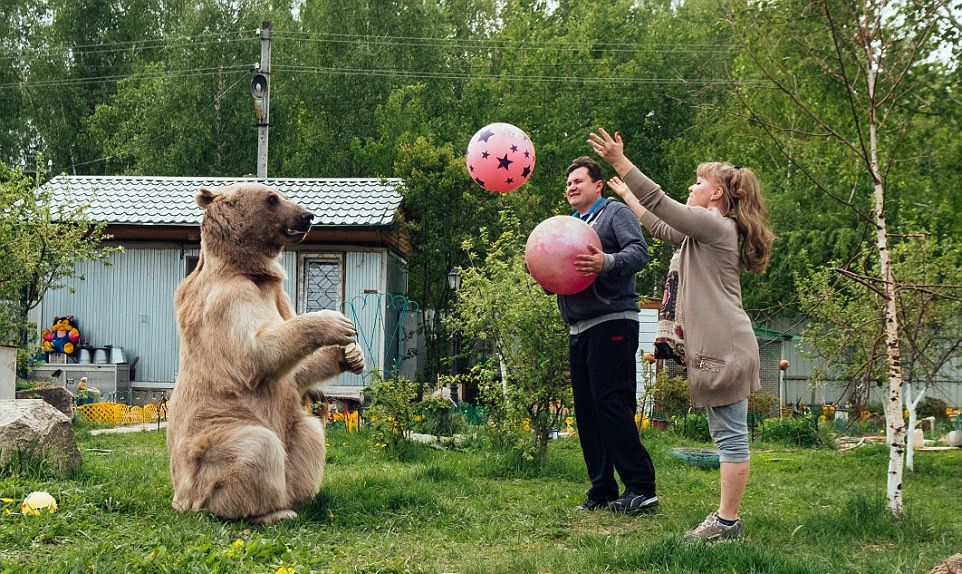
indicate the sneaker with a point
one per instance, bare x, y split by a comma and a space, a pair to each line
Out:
594, 504
712, 529
633, 502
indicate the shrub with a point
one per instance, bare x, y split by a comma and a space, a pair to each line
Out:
670, 394
762, 403
932, 407
693, 426
438, 417
500, 308
797, 431
391, 414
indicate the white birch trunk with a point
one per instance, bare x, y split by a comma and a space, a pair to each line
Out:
911, 403
894, 421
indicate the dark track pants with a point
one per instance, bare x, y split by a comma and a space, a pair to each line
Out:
602, 362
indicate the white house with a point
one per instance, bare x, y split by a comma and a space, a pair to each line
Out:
353, 260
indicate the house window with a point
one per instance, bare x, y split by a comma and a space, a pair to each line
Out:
190, 263
322, 284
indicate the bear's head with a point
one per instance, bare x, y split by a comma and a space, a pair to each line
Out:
251, 217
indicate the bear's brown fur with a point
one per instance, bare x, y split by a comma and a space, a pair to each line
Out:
241, 445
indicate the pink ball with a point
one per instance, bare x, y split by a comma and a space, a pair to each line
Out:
551, 251
500, 157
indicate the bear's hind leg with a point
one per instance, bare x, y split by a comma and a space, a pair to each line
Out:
245, 475
305, 459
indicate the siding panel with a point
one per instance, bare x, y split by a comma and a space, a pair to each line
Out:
129, 305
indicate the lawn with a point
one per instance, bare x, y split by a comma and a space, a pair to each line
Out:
806, 511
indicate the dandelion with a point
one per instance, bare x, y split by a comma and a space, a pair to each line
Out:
238, 543
285, 570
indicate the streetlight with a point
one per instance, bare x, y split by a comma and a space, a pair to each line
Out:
454, 283
454, 279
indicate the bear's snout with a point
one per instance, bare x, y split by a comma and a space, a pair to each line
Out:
302, 222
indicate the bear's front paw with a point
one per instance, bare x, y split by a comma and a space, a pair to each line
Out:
353, 359
333, 328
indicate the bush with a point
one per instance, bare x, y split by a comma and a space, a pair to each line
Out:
438, 417
693, 426
391, 414
670, 394
797, 431
932, 407
762, 403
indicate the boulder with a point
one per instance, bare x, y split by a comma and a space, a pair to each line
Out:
951, 566
59, 397
954, 438
33, 428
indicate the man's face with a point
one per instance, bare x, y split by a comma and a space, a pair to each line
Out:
581, 192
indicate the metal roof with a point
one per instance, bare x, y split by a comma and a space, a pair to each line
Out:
156, 200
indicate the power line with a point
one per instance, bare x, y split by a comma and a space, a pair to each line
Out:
156, 138
421, 74
147, 43
163, 73
483, 42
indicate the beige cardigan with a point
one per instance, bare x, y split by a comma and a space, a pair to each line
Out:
720, 347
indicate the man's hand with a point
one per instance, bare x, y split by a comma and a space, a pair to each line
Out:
590, 263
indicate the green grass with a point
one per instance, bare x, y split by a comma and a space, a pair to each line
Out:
476, 511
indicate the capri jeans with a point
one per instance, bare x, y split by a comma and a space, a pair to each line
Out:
728, 425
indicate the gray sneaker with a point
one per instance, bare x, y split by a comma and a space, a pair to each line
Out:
711, 529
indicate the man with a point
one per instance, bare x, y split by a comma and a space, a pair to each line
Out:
603, 341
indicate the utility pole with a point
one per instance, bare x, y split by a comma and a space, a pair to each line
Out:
261, 90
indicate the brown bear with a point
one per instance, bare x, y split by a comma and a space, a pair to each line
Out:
241, 445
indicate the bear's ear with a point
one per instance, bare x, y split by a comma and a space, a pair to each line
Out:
205, 197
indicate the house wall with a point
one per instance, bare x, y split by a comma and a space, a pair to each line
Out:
130, 304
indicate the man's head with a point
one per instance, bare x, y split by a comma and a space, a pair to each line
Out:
584, 185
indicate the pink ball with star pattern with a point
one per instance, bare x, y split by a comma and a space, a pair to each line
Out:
500, 157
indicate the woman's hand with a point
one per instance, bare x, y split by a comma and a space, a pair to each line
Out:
619, 187
611, 149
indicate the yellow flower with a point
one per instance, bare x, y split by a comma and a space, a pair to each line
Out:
6, 500
238, 543
285, 570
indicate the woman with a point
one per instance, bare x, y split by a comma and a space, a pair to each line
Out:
721, 230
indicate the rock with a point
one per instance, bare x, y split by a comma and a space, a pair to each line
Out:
31, 427
954, 438
951, 566
59, 397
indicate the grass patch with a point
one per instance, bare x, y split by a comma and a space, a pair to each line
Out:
476, 510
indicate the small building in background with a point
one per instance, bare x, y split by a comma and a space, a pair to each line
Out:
353, 261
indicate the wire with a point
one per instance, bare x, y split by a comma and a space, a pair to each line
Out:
390, 72
160, 42
478, 43
482, 42
156, 138
185, 72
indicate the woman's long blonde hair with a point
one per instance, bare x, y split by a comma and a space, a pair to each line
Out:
743, 198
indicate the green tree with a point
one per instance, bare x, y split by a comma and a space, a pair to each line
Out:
44, 243
501, 308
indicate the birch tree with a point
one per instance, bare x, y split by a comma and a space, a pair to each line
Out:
875, 59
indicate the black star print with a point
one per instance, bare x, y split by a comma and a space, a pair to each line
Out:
483, 136
504, 162
510, 180
471, 167
526, 154
514, 148
478, 179
526, 171
484, 155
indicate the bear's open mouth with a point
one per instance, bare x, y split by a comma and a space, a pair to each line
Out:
291, 232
